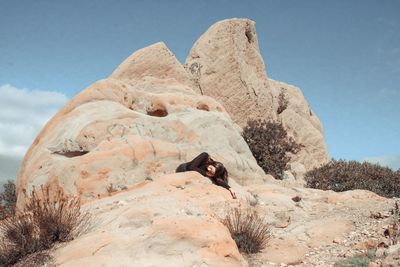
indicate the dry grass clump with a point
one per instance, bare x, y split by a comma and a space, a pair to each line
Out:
270, 145
393, 230
341, 175
283, 102
248, 229
45, 220
18, 238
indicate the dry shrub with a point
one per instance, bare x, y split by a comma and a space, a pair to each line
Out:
393, 230
45, 220
341, 175
270, 145
283, 102
18, 238
58, 217
111, 189
248, 229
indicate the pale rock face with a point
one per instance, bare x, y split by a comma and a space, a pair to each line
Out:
225, 63
168, 222
302, 124
153, 62
141, 122
134, 128
311, 224
176, 221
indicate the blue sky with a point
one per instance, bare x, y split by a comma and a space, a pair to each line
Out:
343, 54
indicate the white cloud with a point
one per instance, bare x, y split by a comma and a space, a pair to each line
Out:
23, 112
9, 166
389, 161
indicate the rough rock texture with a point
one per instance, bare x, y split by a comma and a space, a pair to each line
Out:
225, 63
168, 222
320, 229
175, 221
142, 121
303, 125
118, 142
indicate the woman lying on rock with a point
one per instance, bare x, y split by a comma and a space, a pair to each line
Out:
207, 167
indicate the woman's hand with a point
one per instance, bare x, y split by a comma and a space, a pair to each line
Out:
232, 193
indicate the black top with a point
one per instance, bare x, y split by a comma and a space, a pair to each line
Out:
200, 164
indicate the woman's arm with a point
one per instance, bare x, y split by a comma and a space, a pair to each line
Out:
221, 182
197, 162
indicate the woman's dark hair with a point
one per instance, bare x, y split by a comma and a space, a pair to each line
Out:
220, 171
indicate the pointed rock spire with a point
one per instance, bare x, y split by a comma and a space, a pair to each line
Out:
154, 61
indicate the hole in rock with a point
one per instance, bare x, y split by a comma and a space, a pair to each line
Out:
71, 154
249, 36
203, 107
157, 112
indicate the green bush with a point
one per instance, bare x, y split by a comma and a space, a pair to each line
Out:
356, 261
360, 260
8, 199
341, 175
270, 145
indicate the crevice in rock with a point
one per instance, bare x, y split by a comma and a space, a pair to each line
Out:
201, 90
249, 35
71, 154
204, 107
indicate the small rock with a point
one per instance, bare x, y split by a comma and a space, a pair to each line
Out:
380, 252
296, 198
337, 240
393, 249
373, 264
370, 244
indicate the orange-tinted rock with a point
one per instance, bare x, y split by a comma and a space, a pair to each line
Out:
142, 121
225, 63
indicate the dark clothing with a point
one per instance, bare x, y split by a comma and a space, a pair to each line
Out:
200, 164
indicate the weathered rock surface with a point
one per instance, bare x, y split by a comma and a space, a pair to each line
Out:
324, 227
225, 63
142, 121
168, 222
175, 221
118, 142
303, 125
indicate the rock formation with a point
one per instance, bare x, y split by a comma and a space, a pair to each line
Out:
117, 144
141, 122
166, 222
225, 63
175, 221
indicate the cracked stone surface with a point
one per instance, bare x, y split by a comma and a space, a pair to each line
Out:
132, 125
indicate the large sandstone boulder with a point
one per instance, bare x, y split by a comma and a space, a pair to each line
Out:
141, 122
225, 63
302, 124
118, 142
176, 221
168, 222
